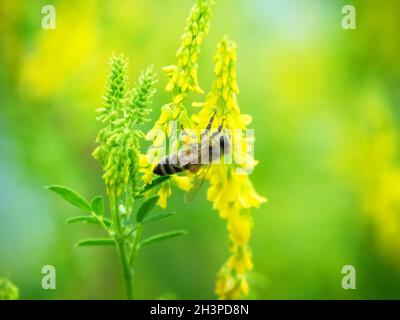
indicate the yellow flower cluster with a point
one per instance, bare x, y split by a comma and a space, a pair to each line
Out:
182, 80
231, 192
183, 75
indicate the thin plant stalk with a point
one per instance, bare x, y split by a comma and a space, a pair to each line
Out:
119, 240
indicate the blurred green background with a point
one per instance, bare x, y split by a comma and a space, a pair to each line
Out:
325, 103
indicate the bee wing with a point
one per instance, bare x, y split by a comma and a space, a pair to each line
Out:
197, 182
188, 155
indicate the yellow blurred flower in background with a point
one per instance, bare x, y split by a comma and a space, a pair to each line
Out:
374, 171
60, 54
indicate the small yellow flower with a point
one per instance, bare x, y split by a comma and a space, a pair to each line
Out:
146, 169
164, 192
183, 182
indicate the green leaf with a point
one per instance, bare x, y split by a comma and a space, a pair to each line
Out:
96, 242
97, 205
88, 219
163, 236
151, 185
146, 207
71, 196
157, 217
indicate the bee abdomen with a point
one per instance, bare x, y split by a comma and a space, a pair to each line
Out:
166, 169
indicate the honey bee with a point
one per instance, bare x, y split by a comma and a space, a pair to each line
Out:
197, 157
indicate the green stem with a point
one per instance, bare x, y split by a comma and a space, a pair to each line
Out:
121, 246
101, 221
129, 201
136, 241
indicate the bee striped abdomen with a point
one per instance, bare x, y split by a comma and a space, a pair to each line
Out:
165, 168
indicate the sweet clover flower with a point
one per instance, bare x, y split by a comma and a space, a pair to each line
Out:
183, 79
231, 190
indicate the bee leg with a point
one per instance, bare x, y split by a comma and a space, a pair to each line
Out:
219, 129
209, 125
220, 126
184, 133
193, 168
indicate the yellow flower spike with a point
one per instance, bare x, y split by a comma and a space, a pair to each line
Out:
183, 79
196, 27
231, 193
